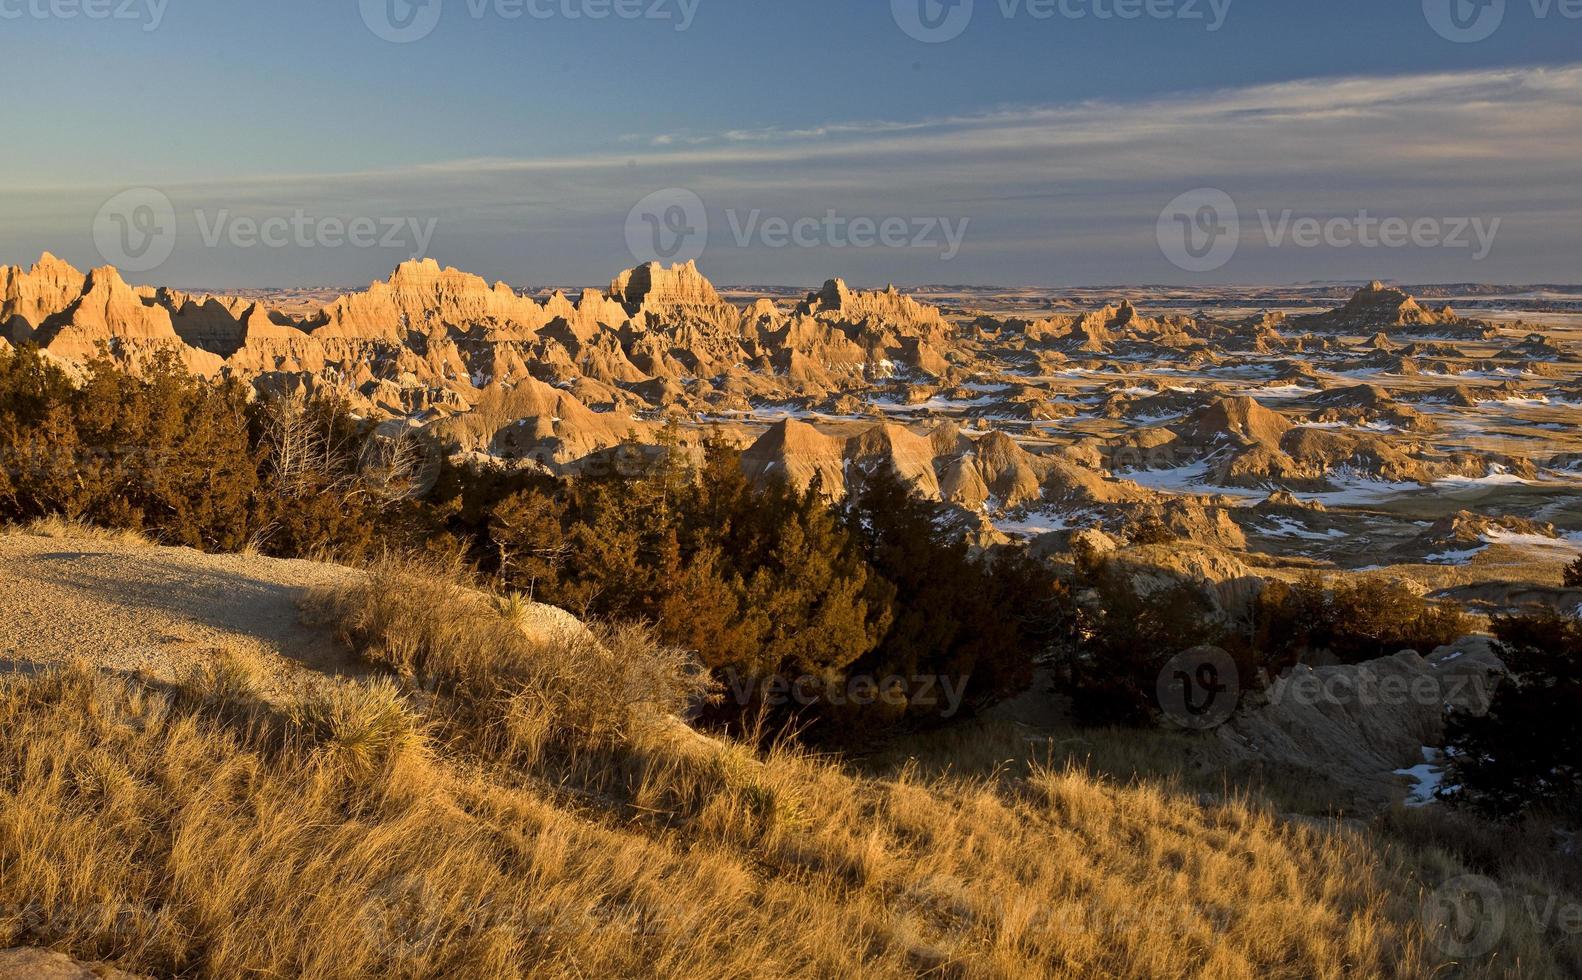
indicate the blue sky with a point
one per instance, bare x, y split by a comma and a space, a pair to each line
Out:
1054, 143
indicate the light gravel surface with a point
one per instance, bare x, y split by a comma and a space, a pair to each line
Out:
157, 612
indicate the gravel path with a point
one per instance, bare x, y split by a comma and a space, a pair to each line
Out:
157, 611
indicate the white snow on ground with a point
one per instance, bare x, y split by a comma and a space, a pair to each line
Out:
1497, 476
1074, 372
933, 405
1428, 778
1364, 427
1187, 479
1033, 525
1499, 535
1353, 490
1289, 527
1454, 557
1194, 479
1571, 543
1281, 391
777, 413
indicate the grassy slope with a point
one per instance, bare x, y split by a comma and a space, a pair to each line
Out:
526, 811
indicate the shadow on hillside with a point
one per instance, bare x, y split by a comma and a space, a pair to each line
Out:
157, 598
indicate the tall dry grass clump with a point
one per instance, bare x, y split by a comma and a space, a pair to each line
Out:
518, 803
514, 676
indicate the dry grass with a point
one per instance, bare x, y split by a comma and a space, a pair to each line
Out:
65, 528
522, 809
996, 746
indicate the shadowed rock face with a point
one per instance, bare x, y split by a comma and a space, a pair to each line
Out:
29, 298
654, 288
1357, 727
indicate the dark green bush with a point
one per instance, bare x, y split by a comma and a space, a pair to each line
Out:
1526, 753
1360, 619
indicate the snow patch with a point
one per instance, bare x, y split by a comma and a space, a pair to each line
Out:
1427, 778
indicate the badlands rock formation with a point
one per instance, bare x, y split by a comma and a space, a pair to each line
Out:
1042, 422
1355, 728
441, 343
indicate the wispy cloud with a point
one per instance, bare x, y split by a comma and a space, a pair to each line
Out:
1054, 193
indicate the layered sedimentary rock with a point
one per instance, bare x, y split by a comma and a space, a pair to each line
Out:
29, 298
997, 416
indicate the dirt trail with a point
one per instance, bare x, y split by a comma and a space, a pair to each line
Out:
157, 611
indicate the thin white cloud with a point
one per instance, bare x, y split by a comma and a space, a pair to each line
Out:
1053, 192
